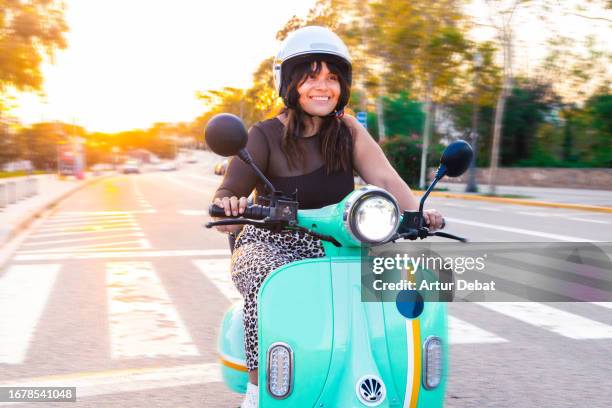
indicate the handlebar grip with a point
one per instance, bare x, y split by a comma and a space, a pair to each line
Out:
255, 212
216, 211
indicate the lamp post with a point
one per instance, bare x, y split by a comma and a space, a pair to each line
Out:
472, 187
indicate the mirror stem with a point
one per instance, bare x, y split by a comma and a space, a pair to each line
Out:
439, 174
246, 157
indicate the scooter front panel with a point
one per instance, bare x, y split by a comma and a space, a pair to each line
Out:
295, 307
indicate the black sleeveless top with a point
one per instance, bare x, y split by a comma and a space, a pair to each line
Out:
315, 188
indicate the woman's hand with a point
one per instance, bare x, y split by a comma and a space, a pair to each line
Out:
233, 206
434, 219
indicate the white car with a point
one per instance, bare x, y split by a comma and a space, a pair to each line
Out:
131, 166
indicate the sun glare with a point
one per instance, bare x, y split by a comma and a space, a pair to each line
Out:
132, 63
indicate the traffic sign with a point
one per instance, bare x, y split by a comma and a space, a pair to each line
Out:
362, 117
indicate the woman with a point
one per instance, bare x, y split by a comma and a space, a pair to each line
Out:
310, 147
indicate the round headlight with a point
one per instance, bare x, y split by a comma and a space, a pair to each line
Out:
374, 216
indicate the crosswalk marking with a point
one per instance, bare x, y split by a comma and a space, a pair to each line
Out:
121, 254
142, 319
127, 380
549, 318
96, 231
218, 272
461, 332
88, 220
24, 291
69, 214
89, 226
105, 247
66, 241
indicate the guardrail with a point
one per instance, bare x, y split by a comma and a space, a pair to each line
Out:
15, 190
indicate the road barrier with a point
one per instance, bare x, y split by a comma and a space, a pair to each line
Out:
3, 198
12, 191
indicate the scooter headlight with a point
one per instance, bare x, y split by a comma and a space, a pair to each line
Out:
372, 215
432, 362
279, 371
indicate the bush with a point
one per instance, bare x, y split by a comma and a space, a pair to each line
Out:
404, 154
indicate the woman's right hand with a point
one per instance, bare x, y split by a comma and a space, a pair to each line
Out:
233, 206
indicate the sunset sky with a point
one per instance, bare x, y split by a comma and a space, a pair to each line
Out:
131, 63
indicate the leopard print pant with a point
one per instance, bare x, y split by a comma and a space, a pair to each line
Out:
258, 252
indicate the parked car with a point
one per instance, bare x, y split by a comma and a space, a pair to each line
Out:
130, 166
221, 167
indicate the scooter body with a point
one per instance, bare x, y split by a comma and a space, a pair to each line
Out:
344, 352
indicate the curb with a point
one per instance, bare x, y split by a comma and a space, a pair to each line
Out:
24, 223
501, 200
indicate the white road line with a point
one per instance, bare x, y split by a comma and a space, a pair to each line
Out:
105, 247
89, 220
128, 380
68, 214
603, 304
455, 204
587, 220
193, 212
122, 255
142, 320
88, 226
97, 231
218, 272
522, 231
461, 332
487, 208
549, 318
65, 241
24, 291
539, 214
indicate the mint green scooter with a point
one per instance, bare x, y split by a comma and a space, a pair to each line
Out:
319, 344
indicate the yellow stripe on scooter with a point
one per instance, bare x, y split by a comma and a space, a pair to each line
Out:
416, 381
234, 365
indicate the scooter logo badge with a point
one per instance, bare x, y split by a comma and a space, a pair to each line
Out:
371, 390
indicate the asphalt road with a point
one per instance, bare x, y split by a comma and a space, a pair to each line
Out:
120, 290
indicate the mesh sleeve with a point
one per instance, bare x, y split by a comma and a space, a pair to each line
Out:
240, 179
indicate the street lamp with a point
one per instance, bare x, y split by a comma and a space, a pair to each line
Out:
472, 187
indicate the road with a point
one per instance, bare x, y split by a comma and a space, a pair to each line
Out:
119, 291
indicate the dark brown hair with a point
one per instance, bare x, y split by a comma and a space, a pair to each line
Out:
336, 139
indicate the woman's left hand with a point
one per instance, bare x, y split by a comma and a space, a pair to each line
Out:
434, 219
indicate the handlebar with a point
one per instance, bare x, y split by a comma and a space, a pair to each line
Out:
255, 212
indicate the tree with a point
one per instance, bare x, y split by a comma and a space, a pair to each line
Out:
421, 44
28, 32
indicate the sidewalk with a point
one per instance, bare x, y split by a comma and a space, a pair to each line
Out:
51, 190
602, 198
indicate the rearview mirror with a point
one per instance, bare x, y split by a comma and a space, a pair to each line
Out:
456, 159
225, 134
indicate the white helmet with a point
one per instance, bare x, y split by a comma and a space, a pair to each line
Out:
301, 45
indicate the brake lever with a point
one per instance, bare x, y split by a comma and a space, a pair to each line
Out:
447, 235
237, 221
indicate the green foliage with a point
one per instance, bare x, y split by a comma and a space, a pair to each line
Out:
404, 154
403, 116
525, 111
